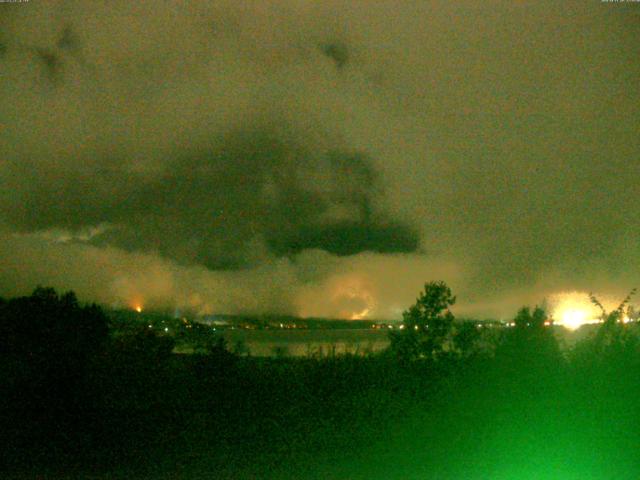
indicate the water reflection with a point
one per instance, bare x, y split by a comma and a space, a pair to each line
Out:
300, 343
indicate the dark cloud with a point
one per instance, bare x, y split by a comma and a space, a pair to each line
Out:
321, 147
212, 208
336, 51
51, 63
68, 39
348, 239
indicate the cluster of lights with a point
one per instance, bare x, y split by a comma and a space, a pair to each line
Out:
572, 310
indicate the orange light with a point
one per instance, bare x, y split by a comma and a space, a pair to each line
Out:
360, 315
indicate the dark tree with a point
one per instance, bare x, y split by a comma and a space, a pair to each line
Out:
51, 328
48, 344
530, 344
427, 326
469, 340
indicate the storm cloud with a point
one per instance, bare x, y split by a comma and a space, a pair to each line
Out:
321, 158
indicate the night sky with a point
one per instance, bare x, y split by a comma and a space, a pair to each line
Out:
319, 158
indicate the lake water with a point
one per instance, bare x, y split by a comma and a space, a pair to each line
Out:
308, 342
302, 342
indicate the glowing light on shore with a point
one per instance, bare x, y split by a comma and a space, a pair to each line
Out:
138, 308
573, 319
574, 309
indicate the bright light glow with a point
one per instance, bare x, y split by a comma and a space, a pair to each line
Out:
138, 308
574, 309
353, 296
360, 315
573, 319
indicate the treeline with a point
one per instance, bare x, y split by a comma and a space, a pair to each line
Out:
430, 334
446, 400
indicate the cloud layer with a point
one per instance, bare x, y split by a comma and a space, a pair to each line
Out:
318, 158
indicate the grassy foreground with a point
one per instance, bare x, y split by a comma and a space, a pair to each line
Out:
79, 402
349, 417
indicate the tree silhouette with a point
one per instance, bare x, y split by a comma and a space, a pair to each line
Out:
427, 326
530, 345
51, 328
469, 340
48, 343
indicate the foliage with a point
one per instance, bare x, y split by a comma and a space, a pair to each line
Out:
530, 345
215, 413
618, 314
427, 325
280, 351
50, 328
49, 346
219, 351
614, 343
241, 349
472, 341
143, 345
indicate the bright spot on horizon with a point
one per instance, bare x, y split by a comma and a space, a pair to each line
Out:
574, 309
573, 319
352, 297
360, 315
138, 308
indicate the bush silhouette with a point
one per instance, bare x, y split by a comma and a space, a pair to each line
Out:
615, 344
530, 345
